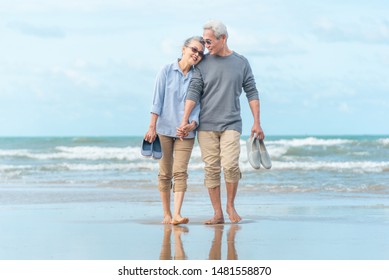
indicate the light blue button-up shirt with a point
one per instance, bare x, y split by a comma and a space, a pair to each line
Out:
169, 100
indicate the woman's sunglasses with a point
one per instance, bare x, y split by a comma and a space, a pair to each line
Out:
195, 50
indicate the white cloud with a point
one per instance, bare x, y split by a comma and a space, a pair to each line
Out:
257, 44
22, 6
344, 108
364, 31
44, 31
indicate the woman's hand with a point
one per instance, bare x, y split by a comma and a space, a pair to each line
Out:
151, 134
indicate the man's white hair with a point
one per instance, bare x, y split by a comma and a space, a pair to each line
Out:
217, 27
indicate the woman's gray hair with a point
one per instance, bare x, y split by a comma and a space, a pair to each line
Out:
194, 38
217, 27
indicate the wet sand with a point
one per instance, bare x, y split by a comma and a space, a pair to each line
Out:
124, 224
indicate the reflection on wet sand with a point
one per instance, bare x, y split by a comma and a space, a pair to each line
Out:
215, 252
166, 251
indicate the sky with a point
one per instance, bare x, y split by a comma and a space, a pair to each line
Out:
87, 67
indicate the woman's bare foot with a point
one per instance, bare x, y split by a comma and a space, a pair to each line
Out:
179, 221
233, 215
167, 219
215, 221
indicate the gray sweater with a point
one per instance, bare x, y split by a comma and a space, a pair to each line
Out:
217, 83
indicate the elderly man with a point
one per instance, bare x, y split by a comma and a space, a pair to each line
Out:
217, 84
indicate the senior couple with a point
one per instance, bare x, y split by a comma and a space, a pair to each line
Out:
214, 83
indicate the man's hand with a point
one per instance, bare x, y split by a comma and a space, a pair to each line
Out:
257, 132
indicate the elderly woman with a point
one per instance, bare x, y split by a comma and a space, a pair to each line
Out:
166, 114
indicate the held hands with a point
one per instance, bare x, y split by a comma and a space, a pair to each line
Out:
184, 129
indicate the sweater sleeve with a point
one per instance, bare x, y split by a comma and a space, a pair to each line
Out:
195, 114
249, 85
196, 86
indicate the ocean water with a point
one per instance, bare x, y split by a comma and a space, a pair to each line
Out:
84, 197
301, 164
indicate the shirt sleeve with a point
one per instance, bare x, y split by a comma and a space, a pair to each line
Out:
159, 92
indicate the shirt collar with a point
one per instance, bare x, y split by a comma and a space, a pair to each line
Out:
177, 67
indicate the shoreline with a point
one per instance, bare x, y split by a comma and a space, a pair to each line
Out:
125, 224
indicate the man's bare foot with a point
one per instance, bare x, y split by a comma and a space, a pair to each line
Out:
233, 215
167, 219
215, 221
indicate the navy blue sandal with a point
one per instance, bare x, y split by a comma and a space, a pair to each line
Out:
157, 149
146, 149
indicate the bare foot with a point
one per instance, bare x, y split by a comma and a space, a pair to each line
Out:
215, 221
233, 215
167, 219
180, 221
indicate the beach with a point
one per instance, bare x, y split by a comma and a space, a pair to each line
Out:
123, 224
96, 199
